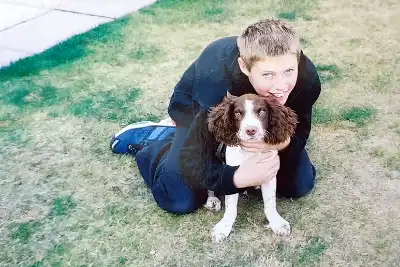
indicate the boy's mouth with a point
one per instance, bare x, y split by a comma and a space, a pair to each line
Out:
278, 95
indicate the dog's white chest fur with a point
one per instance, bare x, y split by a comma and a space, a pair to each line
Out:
235, 155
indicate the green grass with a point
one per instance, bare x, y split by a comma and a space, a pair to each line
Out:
307, 254
53, 257
191, 11
291, 10
13, 133
145, 52
384, 82
38, 264
34, 96
322, 116
328, 72
117, 211
213, 12
377, 153
111, 106
311, 252
173, 3
59, 249
123, 260
24, 231
62, 206
69, 201
287, 15
359, 116
393, 163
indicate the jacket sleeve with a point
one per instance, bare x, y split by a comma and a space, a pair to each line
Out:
303, 129
212, 78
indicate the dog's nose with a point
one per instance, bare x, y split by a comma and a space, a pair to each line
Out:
251, 131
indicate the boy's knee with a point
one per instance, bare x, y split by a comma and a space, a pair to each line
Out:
182, 202
182, 207
300, 186
302, 190
173, 194
295, 191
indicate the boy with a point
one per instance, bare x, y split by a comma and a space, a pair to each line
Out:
265, 59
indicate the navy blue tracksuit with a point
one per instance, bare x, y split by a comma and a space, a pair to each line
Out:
181, 169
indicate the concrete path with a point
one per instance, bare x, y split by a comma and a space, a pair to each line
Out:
28, 27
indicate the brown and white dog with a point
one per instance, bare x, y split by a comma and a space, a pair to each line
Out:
249, 118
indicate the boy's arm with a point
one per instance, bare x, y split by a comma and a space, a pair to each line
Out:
303, 129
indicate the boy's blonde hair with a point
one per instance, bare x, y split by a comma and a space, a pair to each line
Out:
267, 38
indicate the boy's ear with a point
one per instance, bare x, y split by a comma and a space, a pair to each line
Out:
243, 66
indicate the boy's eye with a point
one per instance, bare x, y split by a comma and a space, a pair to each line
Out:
289, 71
267, 75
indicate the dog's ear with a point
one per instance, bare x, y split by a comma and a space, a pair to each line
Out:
221, 122
229, 97
282, 122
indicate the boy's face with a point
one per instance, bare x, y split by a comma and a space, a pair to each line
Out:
274, 77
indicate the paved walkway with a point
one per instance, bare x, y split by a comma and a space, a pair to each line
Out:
28, 27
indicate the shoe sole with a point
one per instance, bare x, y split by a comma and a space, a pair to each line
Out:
141, 125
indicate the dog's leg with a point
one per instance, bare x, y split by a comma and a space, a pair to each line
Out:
213, 203
278, 225
224, 227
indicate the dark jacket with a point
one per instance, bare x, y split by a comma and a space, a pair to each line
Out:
203, 85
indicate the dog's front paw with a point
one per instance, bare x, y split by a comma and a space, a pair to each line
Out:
221, 231
213, 204
280, 226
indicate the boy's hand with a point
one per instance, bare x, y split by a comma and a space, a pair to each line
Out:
257, 170
261, 146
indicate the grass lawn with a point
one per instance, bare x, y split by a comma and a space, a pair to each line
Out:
65, 200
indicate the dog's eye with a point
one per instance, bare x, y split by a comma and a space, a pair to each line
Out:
262, 112
238, 113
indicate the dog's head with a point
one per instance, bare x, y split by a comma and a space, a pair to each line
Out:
251, 118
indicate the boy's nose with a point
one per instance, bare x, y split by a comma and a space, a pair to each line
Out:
280, 86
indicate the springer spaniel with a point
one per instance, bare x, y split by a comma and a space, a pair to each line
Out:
249, 118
